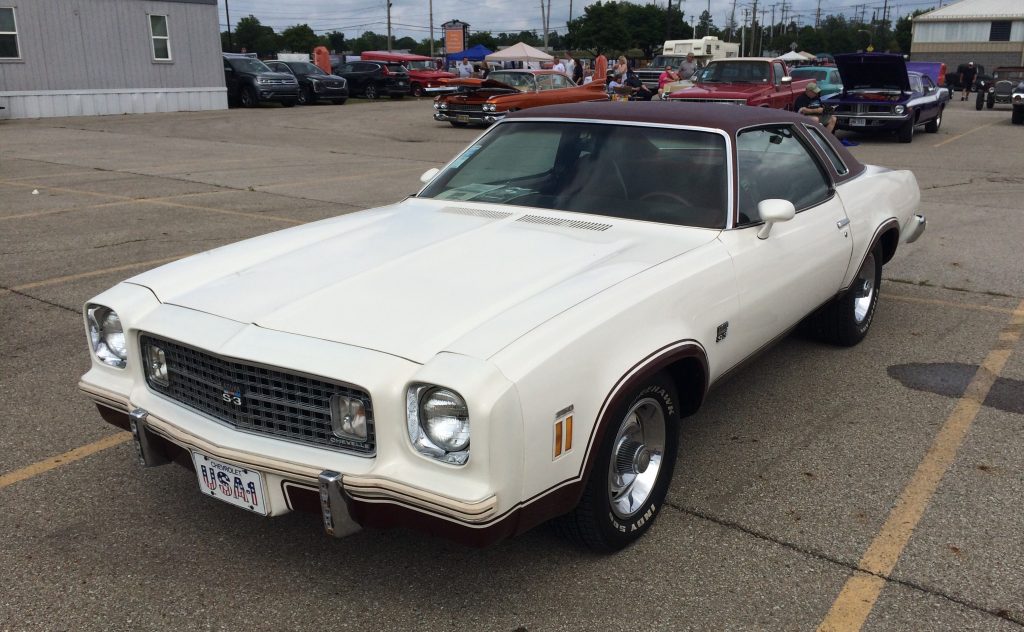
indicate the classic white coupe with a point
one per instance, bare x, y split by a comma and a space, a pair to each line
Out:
517, 342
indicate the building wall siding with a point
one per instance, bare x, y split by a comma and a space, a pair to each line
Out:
105, 44
976, 31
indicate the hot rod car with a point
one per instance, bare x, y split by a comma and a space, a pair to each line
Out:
515, 343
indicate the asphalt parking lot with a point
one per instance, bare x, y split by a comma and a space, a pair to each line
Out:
874, 488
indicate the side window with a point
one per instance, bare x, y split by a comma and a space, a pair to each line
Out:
828, 150
779, 72
345, 68
545, 82
559, 81
227, 66
773, 163
161, 37
8, 34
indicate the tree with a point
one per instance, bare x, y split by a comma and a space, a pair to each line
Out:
904, 30
600, 27
706, 26
251, 35
405, 43
299, 39
335, 41
369, 41
483, 38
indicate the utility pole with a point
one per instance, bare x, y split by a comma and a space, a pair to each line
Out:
709, 20
732, 21
389, 24
545, 19
771, 29
760, 32
668, 18
227, 14
743, 35
431, 4
817, 16
753, 33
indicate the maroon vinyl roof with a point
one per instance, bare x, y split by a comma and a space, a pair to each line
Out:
728, 118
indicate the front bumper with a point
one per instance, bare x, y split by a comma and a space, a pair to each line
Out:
277, 92
470, 118
871, 122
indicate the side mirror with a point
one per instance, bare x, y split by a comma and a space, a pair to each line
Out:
429, 174
787, 80
774, 210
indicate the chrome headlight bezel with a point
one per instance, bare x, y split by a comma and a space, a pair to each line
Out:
899, 109
442, 106
107, 339
424, 435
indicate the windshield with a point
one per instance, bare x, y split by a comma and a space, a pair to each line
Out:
1008, 75
625, 171
248, 64
735, 72
817, 75
423, 64
522, 81
664, 60
396, 68
305, 68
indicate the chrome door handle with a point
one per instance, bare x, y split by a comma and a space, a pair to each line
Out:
843, 223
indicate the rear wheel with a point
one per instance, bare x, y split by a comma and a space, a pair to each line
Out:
846, 320
979, 101
632, 470
933, 126
417, 90
371, 91
1017, 118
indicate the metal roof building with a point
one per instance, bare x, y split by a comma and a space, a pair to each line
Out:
987, 32
60, 58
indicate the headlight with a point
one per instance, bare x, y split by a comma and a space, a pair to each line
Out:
348, 418
262, 80
488, 107
438, 421
899, 109
992, 89
436, 106
1017, 98
106, 336
156, 366
443, 105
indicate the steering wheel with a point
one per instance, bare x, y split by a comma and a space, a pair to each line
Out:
655, 195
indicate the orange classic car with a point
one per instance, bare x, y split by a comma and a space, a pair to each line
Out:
485, 101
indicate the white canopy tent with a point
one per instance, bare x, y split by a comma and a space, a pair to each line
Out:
519, 52
793, 56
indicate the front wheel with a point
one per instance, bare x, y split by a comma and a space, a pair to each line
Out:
1017, 118
371, 92
846, 320
991, 101
306, 97
417, 90
632, 470
248, 97
979, 102
933, 126
906, 132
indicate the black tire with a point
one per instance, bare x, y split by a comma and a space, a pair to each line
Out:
979, 102
991, 101
1017, 118
607, 525
417, 90
248, 98
846, 320
933, 125
339, 101
306, 97
371, 91
289, 103
457, 124
906, 131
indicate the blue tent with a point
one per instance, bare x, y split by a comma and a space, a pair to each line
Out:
477, 53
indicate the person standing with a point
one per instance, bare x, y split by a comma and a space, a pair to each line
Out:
601, 67
465, 68
570, 65
967, 78
688, 67
558, 66
577, 71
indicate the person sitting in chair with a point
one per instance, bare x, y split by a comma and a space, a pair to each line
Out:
809, 104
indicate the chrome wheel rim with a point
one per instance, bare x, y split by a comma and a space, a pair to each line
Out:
864, 290
638, 452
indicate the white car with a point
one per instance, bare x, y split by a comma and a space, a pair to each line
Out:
515, 343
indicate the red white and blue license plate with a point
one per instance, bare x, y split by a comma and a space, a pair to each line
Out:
858, 122
233, 484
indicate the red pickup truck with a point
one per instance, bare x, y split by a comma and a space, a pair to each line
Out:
757, 81
424, 77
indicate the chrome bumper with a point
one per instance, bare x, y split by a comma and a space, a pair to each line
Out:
336, 489
486, 118
914, 228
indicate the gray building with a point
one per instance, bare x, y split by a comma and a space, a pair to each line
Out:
987, 32
81, 57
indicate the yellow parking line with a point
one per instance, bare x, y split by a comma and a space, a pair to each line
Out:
958, 136
858, 596
935, 301
86, 275
62, 459
351, 176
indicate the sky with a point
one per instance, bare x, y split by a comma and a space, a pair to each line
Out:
412, 17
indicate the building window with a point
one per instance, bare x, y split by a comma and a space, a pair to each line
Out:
8, 34
1000, 31
161, 38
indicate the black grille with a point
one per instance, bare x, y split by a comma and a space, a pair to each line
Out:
465, 109
270, 401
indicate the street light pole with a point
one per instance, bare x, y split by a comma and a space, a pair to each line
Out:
227, 15
431, 28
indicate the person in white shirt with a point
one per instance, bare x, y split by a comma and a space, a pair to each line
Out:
465, 68
559, 66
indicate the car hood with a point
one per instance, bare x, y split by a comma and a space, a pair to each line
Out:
720, 91
873, 70
477, 83
422, 276
431, 74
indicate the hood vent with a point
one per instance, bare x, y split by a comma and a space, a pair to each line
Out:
565, 223
476, 212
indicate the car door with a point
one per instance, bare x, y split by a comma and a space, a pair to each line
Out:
801, 263
782, 93
230, 79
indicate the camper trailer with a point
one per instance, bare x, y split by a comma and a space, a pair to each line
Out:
704, 49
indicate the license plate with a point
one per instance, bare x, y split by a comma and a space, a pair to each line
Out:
462, 118
233, 484
858, 122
